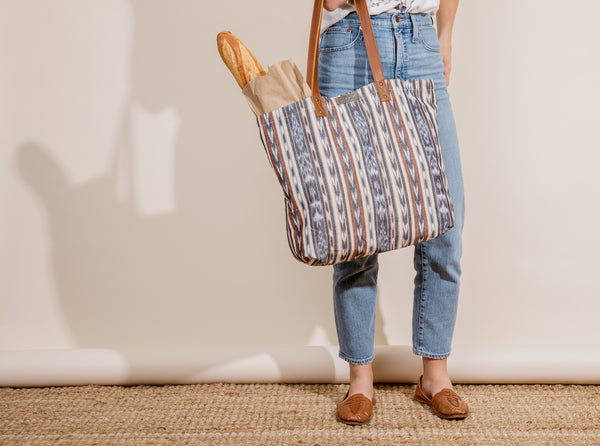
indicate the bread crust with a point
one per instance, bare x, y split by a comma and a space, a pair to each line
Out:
240, 61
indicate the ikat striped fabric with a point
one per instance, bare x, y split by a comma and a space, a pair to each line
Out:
367, 178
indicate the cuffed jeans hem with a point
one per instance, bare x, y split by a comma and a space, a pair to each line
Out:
356, 361
419, 352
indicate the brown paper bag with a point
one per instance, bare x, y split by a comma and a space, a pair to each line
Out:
282, 85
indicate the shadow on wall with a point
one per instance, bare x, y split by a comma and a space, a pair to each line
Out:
177, 279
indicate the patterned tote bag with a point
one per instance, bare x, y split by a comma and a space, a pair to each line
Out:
362, 172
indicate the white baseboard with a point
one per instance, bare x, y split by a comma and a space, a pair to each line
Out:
543, 364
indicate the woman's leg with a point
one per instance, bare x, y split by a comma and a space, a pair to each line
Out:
436, 261
354, 301
438, 271
343, 67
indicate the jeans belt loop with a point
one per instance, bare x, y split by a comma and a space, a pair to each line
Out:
415, 27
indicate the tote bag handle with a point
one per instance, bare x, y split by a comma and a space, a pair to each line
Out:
312, 71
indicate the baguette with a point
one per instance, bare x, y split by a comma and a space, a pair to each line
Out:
240, 61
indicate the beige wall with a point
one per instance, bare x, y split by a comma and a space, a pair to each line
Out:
138, 208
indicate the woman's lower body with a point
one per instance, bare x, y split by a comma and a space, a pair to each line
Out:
409, 49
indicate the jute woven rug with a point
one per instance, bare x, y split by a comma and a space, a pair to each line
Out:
293, 414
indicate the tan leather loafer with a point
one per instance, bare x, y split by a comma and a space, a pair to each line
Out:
355, 410
445, 404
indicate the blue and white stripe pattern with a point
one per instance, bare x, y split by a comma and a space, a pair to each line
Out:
367, 178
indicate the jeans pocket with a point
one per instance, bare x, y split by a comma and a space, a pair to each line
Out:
339, 37
429, 39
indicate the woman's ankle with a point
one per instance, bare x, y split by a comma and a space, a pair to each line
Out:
361, 369
361, 379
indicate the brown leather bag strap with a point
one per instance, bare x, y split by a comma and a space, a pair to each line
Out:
372, 50
312, 67
312, 70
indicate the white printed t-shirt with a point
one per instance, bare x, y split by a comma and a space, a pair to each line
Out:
379, 6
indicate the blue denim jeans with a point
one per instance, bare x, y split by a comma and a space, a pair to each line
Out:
409, 49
